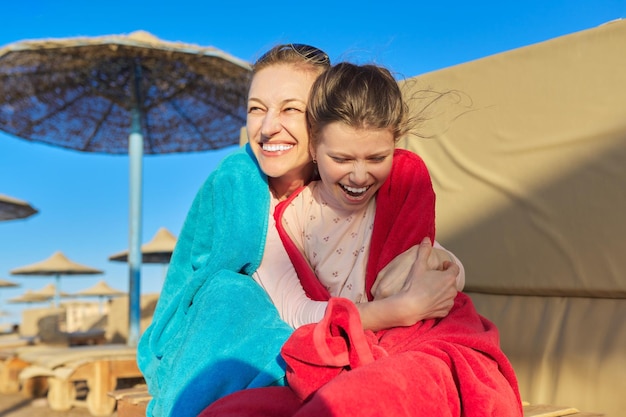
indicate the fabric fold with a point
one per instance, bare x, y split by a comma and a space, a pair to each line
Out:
447, 367
329, 347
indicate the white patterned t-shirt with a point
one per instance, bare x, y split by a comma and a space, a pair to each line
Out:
335, 241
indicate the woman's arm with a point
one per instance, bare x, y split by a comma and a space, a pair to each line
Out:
279, 279
426, 293
392, 278
427, 297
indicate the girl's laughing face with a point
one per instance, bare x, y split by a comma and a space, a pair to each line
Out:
353, 163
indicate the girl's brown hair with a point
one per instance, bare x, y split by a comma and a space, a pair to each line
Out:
361, 96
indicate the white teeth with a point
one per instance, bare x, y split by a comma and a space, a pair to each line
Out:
271, 147
354, 190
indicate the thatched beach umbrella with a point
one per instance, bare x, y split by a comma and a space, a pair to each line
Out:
49, 291
101, 290
8, 284
157, 251
120, 94
56, 265
13, 208
29, 296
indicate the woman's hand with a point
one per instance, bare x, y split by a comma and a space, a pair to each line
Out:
426, 293
439, 259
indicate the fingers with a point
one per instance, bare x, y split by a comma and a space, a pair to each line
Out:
423, 253
451, 267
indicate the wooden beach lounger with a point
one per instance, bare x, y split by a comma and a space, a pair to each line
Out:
132, 402
11, 364
101, 367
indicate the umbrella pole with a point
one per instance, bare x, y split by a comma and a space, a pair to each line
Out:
57, 290
135, 154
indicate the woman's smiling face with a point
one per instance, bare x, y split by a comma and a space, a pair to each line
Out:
276, 120
353, 163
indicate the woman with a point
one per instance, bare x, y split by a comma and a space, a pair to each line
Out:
215, 330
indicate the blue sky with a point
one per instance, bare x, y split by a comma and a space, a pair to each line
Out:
83, 197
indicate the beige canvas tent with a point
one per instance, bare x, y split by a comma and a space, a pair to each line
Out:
529, 167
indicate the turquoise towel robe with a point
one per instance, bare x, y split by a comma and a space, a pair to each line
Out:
215, 331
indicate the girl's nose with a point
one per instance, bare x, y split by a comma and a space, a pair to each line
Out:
359, 173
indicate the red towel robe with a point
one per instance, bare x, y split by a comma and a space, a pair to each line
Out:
440, 367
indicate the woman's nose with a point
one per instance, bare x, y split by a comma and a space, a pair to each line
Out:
271, 124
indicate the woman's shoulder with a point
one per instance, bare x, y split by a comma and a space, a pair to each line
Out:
237, 171
240, 157
239, 164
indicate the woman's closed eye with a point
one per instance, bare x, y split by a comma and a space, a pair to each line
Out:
293, 109
255, 109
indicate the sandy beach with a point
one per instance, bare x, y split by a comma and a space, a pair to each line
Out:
16, 405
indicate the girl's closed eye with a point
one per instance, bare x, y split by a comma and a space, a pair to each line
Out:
339, 159
378, 159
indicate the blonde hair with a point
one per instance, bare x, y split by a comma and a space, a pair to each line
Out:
305, 56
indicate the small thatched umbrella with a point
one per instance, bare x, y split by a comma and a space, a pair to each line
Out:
156, 251
56, 265
101, 290
29, 296
12, 208
8, 284
50, 291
